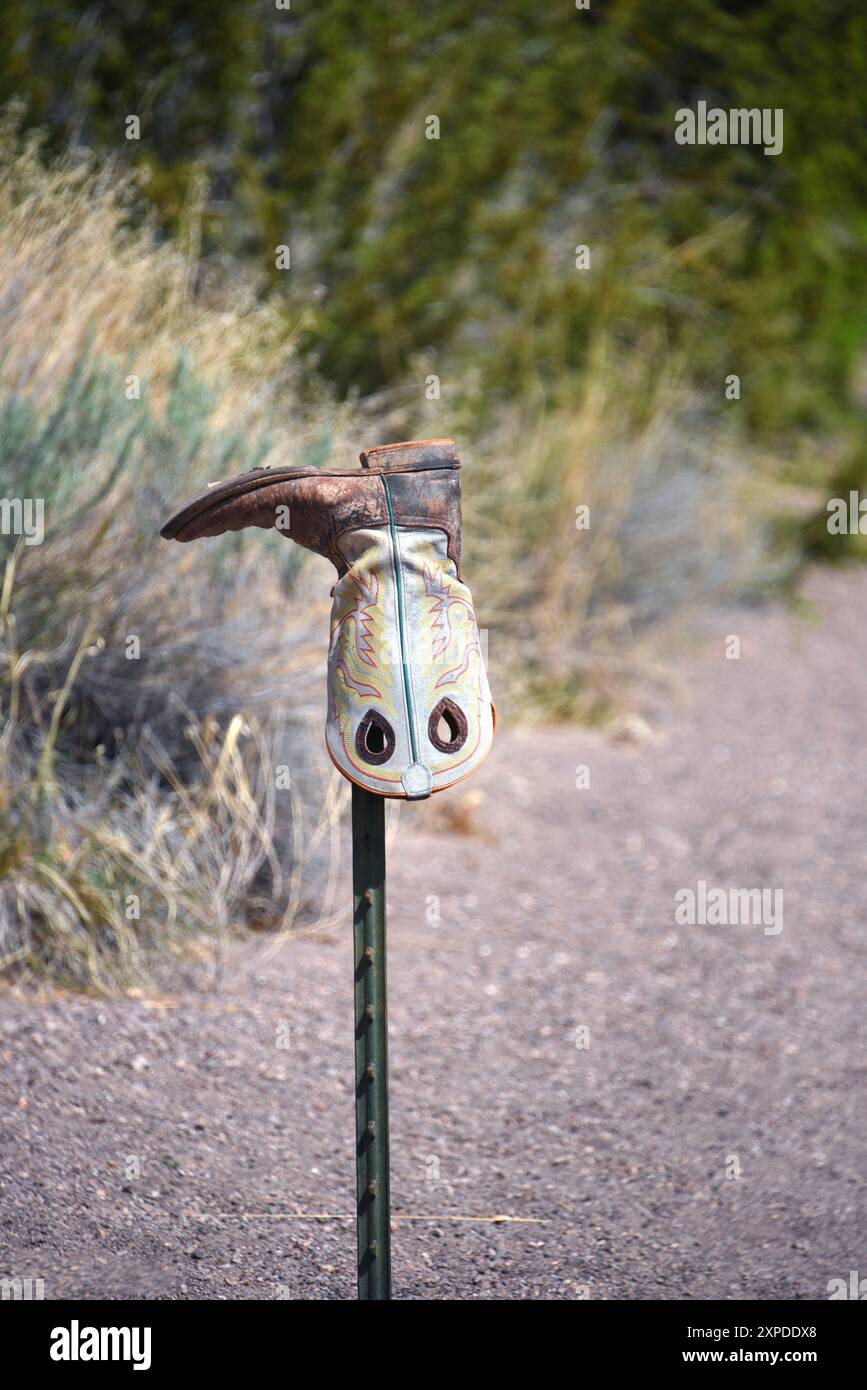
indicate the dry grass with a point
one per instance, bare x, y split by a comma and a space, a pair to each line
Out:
110, 870
81, 276
148, 693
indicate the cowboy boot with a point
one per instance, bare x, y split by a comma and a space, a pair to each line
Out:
409, 707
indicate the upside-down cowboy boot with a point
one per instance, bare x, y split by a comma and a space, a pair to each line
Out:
409, 707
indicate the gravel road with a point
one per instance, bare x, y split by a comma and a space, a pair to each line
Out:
665, 1110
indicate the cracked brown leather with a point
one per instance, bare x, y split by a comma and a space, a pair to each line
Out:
320, 505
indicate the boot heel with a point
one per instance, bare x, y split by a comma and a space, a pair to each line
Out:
416, 453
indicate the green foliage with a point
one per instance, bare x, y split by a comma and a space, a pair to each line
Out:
557, 128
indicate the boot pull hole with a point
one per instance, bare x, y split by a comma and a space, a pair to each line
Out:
447, 726
374, 742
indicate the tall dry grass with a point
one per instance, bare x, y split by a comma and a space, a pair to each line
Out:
78, 274
148, 693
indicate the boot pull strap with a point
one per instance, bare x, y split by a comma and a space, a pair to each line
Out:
415, 453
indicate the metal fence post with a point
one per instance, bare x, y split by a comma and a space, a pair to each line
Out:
371, 1045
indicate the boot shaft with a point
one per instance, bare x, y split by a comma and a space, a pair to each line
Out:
410, 710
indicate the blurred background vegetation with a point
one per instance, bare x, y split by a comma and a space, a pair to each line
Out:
432, 289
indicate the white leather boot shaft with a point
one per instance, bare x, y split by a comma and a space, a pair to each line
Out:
409, 706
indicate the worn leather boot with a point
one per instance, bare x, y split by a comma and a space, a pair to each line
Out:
409, 707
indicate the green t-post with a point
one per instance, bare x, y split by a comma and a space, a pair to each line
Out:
371, 1045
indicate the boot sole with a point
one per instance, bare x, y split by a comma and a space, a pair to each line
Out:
266, 477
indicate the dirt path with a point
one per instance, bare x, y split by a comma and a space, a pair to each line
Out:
712, 1049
